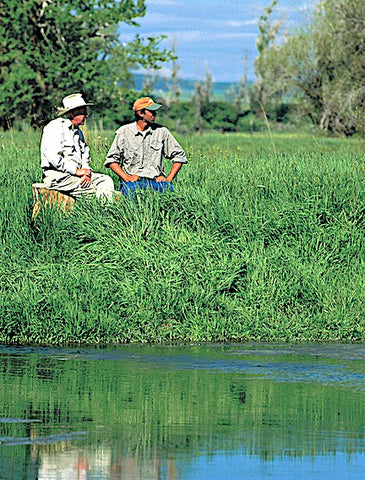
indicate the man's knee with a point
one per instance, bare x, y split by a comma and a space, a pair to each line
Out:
109, 181
103, 185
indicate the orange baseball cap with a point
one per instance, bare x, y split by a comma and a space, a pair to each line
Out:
145, 103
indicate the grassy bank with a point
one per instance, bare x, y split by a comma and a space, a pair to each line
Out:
259, 241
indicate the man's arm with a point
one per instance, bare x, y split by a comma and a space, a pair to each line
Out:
113, 160
85, 152
122, 174
54, 154
173, 172
172, 151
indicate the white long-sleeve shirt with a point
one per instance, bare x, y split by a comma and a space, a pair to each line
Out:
63, 147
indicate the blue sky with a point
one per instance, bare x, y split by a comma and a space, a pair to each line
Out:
214, 35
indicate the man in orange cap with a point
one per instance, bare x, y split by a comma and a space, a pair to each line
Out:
137, 152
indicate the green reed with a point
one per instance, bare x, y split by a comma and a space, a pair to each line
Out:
252, 245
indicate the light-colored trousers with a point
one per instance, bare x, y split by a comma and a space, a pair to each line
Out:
101, 185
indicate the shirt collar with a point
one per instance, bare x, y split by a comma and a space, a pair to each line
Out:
70, 125
137, 131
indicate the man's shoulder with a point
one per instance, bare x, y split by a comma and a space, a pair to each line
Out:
57, 123
160, 129
126, 128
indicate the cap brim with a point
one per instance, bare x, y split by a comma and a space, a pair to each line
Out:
155, 106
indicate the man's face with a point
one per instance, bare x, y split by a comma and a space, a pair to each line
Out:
149, 116
79, 116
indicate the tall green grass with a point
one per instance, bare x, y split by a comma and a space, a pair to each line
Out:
252, 245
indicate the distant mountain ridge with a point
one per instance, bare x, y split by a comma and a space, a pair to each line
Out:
162, 86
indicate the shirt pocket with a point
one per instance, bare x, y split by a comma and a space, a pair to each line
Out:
156, 150
157, 145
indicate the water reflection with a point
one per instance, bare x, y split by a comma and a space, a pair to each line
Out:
99, 464
182, 413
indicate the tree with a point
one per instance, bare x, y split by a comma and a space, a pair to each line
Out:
49, 48
238, 94
339, 27
268, 32
199, 107
322, 66
207, 87
173, 80
150, 79
201, 98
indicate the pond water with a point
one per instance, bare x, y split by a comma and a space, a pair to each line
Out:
250, 411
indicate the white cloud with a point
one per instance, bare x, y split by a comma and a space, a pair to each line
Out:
238, 24
162, 3
186, 36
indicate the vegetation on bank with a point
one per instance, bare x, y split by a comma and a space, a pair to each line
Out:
262, 239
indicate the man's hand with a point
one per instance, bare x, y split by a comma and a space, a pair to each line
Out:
85, 174
81, 172
122, 174
132, 178
161, 178
174, 169
85, 181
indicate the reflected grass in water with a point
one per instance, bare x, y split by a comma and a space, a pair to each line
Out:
173, 400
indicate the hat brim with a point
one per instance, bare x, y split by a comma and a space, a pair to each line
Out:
62, 111
155, 106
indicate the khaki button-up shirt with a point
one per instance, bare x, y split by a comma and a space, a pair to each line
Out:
141, 153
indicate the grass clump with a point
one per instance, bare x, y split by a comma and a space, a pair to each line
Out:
252, 245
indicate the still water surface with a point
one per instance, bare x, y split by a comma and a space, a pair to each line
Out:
248, 411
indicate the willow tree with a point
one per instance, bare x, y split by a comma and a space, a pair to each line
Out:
341, 58
322, 66
49, 48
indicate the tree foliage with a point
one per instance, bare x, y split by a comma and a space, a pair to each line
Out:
323, 66
268, 32
50, 48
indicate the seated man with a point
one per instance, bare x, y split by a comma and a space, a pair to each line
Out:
65, 155
136, 154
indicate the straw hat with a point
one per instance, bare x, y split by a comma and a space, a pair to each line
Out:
71, 102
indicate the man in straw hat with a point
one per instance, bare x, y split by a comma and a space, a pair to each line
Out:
136, 154
65, 155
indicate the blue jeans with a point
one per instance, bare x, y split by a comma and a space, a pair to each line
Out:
129, 188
